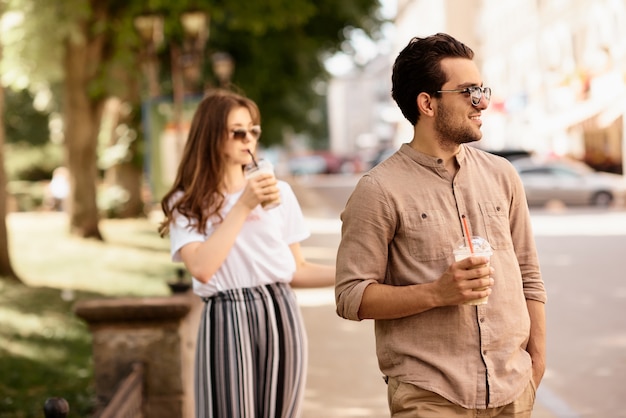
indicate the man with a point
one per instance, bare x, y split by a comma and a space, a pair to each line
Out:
440, 356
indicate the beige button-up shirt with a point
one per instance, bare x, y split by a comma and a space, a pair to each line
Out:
399, 228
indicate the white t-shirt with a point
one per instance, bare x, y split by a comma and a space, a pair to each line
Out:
260, 254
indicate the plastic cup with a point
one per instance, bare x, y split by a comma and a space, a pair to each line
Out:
261, 167
481, 249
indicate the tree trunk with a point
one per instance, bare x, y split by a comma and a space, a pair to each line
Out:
127, 175
82, 116
6, 270
130, 175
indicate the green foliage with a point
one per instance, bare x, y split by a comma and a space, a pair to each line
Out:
28, 195
278, 46
29, 168
45, 351
33, 46
32, 163
22, 122
111, 200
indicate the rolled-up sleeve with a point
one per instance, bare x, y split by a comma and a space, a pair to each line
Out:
525, 247
367, 228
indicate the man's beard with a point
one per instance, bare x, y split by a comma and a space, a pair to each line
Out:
451, 132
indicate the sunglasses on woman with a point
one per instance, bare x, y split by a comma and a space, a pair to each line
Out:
242, 133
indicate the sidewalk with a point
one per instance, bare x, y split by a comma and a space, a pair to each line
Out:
343, 378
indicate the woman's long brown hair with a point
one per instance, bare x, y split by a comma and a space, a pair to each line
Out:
200, 175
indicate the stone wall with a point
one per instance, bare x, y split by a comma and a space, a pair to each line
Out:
160, 333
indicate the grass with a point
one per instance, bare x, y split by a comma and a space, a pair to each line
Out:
45, 350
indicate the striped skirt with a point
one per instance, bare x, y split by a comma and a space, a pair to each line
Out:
251, 356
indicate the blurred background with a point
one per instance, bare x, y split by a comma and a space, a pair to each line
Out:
97, 97
107, 89
321, 77
556, 69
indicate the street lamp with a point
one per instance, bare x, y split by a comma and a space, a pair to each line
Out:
223, 67
186, 58
150, 29
195, 25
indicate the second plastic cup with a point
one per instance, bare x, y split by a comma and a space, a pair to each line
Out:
254, 169
481, 249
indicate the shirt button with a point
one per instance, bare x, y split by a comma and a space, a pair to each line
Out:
484, 352
439, 161
482, 319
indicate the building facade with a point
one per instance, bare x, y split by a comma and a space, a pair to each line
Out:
558, 73
557, 69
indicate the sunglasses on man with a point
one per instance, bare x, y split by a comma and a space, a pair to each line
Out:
476, 93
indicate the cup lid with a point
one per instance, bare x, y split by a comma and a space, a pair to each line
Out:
480, 245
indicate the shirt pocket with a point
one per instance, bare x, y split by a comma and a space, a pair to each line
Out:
496, 218
427, 235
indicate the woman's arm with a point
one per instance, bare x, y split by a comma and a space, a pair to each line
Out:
203, 259
310, 274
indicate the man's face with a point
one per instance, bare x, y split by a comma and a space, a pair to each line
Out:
457, 121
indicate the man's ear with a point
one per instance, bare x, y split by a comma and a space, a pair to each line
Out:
425, 104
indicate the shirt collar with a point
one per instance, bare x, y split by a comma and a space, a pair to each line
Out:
428, 160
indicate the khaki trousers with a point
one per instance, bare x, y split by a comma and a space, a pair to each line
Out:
409, 401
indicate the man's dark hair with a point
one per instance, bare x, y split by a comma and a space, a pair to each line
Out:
417, 69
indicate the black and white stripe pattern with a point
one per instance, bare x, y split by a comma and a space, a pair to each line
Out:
251, 356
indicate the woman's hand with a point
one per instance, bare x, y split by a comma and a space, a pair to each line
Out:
310, 275
260, 188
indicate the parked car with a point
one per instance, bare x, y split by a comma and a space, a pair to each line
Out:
511, 154
569, 181
383, 154
323, 162
306, 165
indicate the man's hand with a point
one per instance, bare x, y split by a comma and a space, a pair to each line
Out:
461, 282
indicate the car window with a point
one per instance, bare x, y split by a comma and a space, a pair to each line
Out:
535, 170
564, 172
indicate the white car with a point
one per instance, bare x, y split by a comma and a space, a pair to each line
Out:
569, 181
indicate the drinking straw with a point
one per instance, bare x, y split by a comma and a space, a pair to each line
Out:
467, 234
253, 159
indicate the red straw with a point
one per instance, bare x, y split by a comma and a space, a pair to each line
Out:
467, 234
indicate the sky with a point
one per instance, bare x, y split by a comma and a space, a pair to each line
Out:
365, 48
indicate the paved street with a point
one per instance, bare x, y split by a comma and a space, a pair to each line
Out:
580, 252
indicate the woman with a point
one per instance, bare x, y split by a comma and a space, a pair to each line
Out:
251, 353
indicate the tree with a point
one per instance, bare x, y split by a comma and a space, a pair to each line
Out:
91, 46
84, 54
6, 270
23, 124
